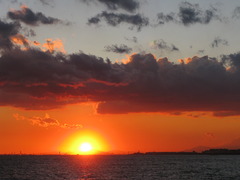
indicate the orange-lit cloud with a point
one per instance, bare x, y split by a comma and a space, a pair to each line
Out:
50, 45
36, 43
209, 135
20, 40
53, 45
46, 121
127, 60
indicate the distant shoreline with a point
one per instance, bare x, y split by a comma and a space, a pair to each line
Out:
207, 152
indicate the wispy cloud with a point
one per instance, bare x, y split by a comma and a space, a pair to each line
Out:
47, 2
46, 121
236, 13
133, 39
121, 49
218, 41
161, 44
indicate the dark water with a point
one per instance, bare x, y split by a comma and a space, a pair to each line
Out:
137, 167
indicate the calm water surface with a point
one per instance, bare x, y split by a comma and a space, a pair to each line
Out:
177, 167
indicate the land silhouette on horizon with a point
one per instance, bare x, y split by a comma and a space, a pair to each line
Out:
207, 152
221, 151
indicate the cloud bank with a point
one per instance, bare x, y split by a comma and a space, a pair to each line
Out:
33, 79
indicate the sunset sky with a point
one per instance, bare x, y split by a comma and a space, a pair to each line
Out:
121, 75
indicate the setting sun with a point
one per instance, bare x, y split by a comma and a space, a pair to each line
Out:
85, 147
84, 143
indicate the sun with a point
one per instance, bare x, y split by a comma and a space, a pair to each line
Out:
84, 143
85, 147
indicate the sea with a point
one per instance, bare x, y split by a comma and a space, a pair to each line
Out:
122, 167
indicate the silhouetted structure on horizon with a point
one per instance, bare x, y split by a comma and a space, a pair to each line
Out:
222, 152
207, 152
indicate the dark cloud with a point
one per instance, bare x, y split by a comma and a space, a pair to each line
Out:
33, 79
196, 115
189, 14
162, 18
128, 5
6, 31
133, 39
121, 49
202, 84
114, 19
218, 41
161, 44
232, 61
47, 2
201, 51
226, 113
94, 20
14, 1
28, 32
27, 16
236, 13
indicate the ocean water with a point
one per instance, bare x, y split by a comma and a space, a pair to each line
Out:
99, 167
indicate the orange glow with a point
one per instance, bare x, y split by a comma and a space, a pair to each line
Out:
36, 43
20, 40
50, 45
84, 143
53, 45
111, 134
128, 58
19, 12
24, 6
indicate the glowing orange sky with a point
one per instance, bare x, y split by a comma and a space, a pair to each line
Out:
113, 133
